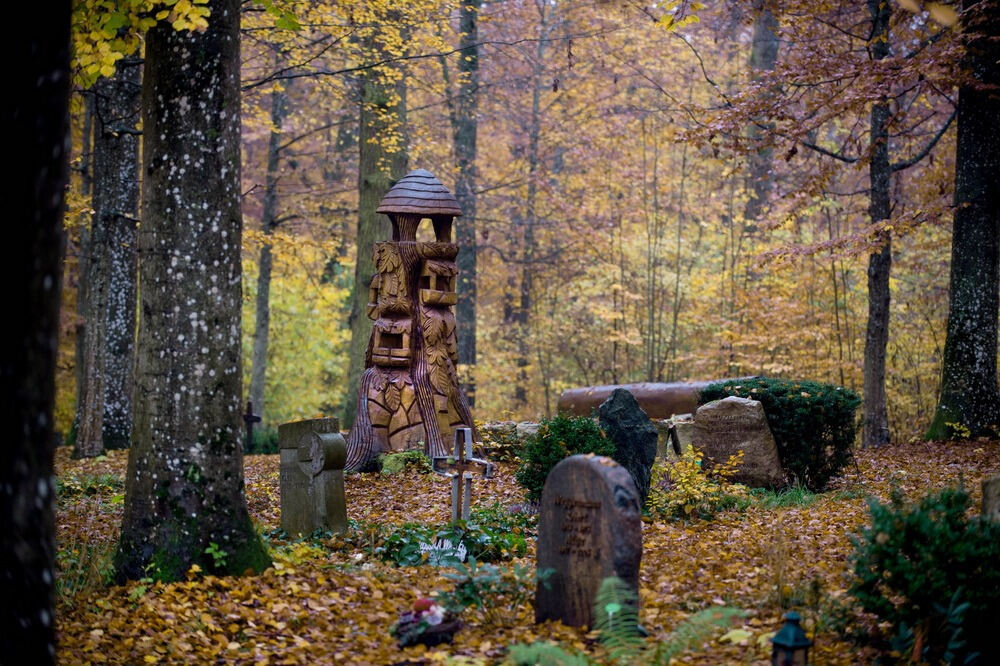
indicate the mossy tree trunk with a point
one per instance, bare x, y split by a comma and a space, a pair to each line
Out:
970, 397
184, 484
34, 113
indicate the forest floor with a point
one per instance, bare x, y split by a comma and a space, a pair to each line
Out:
330, 600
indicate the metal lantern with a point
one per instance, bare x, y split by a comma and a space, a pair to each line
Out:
790, 644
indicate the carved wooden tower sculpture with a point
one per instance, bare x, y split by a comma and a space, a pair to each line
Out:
409, 397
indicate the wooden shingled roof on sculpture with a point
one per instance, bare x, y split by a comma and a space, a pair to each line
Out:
421, 193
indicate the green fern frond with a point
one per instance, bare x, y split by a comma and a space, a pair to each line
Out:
694, 631
544, 654
616, 617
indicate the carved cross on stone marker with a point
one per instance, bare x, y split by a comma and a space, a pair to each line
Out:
462, 467
250, 418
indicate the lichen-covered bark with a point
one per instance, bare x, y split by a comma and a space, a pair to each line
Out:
464, 128
383, 107
970, 397
116, 202
875, 430
104, 413
184, 485
34, 113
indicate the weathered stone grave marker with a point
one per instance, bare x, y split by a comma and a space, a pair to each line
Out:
313, 453
634, 435
461, 468
991, 498
589, 528
723, 427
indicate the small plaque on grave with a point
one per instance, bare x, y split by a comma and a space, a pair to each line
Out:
589, 528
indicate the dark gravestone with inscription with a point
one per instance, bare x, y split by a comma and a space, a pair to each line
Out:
313, 453
589, 528
723, 427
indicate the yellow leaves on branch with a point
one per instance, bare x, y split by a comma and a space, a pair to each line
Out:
939, 12
105, 31
285, 244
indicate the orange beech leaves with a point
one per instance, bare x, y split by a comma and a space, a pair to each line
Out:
328, 601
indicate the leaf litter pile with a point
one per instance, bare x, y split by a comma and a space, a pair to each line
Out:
331, 599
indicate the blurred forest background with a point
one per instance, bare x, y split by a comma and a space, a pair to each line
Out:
653, 192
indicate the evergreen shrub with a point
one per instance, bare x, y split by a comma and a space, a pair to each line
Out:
265, 442
813, 424
931, 572
556, 439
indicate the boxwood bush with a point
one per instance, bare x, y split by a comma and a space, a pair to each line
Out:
930, 571
813, 424
556, 439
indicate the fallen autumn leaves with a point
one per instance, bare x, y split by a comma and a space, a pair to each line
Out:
327, 601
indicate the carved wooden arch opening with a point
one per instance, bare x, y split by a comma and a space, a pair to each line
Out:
410, 397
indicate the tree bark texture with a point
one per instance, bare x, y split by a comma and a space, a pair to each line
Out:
464, 128
875, 430
105, 411
116, 202
35, 113
763, 57
969, 395
82, 262
184, 484
262, 316
383, 110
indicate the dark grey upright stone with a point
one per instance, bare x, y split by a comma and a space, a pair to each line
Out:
313, 453
991, 498
634, 435
589, 528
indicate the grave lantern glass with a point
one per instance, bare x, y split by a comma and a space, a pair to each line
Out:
790, 644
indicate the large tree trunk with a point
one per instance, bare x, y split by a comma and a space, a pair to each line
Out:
268, 222
383, 111
464, 127
876, 422
970, 397
184, 485
35, 117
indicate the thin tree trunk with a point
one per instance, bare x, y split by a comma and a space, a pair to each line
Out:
383, 111
83, 260
35, 115
464, 129
763, 57
268, 222
184, 484
522, 312
876, 421
970, 397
